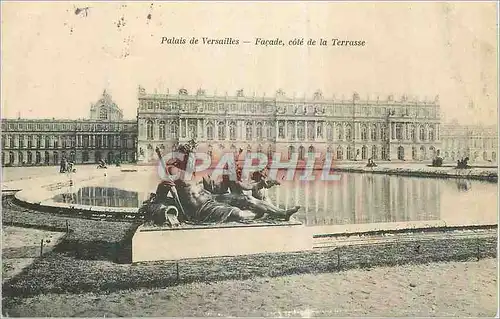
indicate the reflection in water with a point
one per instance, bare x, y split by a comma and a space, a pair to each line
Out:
355, 199
360, 199
100, 196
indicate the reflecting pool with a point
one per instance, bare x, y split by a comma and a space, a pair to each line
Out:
354, 199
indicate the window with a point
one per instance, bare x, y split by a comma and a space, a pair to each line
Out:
291, 150
259, 131
374, 152
319, 130
310, 130
348, 135
232, 131
373, 132
431, 133
364, 132
193, 129
210, 131
174, 130
222, 130
340, 153
249, 129
329, 131
281, 129
161, 130
422, 133
149, 130
412, 132
399, 131
103, 113
300, 130
290, 127
340, 132
301, 153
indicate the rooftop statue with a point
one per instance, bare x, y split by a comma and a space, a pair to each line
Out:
209, 201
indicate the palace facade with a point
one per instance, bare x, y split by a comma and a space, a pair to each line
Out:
478, 143
349, 129
105, 135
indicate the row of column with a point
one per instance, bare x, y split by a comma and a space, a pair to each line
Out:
406, 131
111, 141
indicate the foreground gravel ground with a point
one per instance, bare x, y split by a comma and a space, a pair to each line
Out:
437, 289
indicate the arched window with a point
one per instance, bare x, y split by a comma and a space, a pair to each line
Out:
373, 132
38, 157
414, 152
412, 132
340, 132
46, 157
259, 131
310, 130
55, 157
374, 152
340, 153
421, 133
485, 156
210, 131
399, 131
103, 113
383, 134
221, 130
301, 153
30, 157
232, 131
364, 152
149, 130
300, 130
329, 131
290, 128
364, 132
161, 130
291, 150
11, 157
348, 135
349, 153
281, 129
310, 152
422, 153
174, 130
85, 156
249, 129
431, 133
193, 129
493, 156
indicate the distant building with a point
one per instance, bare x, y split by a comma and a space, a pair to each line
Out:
479, 143
46, 141
349, 129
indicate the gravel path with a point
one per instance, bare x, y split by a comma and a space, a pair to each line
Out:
437, 289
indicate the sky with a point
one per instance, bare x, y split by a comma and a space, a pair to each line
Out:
57, 60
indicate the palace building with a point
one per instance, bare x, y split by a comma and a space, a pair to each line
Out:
349, 129
403, 129
478, 143
105, 135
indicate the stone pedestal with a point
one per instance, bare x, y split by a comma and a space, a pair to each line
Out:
163, 243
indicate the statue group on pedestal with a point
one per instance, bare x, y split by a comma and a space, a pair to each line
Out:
211, 201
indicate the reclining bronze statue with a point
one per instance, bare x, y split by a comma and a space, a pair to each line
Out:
208, 201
